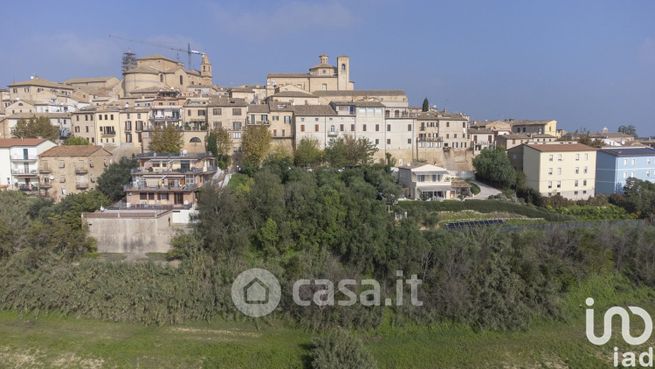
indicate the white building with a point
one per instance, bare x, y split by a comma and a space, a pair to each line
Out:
426, 182
19, 159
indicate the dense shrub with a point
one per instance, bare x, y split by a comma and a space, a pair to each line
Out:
338, 349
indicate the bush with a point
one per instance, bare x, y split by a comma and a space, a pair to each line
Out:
338, 349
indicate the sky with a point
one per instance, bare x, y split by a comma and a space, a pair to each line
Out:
588, 64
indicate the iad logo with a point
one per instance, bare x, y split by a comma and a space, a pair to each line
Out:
628, 359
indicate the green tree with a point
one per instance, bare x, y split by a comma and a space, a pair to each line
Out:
628, 129
117, 175
493, 166
426, 105
307, 153
76, 140
36, 127
350, 152
338, 349
219, 144
167, 140
256, 142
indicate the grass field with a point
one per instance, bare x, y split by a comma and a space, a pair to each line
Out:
52, 341
56, 342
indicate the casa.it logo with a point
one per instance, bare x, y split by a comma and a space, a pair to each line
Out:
627, 359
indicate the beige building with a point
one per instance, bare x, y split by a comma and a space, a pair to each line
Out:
230, 114
568, 170
38, 89
321, 77
168, 180
430, 182
541, 127
481, 138
160, 72
83, 124
437, 129
515, 139
64, 170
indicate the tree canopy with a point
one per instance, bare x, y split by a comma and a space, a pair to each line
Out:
494, 167
166, 140
628, 129
219, 144
256, 142
349, 151
307, 153
115, 176
36, 127
426, 105
76, 140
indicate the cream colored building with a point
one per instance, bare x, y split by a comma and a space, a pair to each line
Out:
548, 127
321, 77
230, 114
437, 129
38, 89
512, 140
64, 170
565, 169
83, 124
160, 72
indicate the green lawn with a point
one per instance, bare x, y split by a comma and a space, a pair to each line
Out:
57, 342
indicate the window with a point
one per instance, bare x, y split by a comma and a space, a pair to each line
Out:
302, 128
409, 127
576, 183
586, 156
236, 126
181, 80
550, 171
585, 170
364, 127
577, 156
377, 128
447, 124
577, 170
388, 141
584, 182
559, 184
559, 171
352, 128
236, 111
559, 157
377, 141
550, 157
315, 127
409, 141
341, 127
550, 184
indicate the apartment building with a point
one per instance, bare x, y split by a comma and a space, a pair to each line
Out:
541, 127
513, 140
19, 162
83, 124
64, 170
168, 180
481, 138
108, 126
281, 125
230, 114
615, 165
430, 182
436, 129
38, 89
568, 170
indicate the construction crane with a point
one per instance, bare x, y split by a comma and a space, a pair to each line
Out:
189, 51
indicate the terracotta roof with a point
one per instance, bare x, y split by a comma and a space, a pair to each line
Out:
313, 110
222, 101
258, 108
561, 147
73, 151
11, 142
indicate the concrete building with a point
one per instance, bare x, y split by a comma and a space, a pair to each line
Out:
568, 170
83, 124
541, 127
429, 182
321, 77
38, 89
517, 139
64, 170
169, 181
481, 138
436, 129
19, 162
230, 114
615, 165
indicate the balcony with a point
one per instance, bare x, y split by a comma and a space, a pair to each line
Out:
165, 188
192, 170
27, 188
81, 185
21, 158
81, 170
24, 173
45, 170
109, 134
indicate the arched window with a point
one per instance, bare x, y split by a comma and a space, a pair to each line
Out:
343, 67
181, 80
396, 113
195, 140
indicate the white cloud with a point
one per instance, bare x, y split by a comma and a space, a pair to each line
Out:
284, 17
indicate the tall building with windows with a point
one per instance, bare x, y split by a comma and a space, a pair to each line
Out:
615, 165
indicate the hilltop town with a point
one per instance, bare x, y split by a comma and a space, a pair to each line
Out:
432, 151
